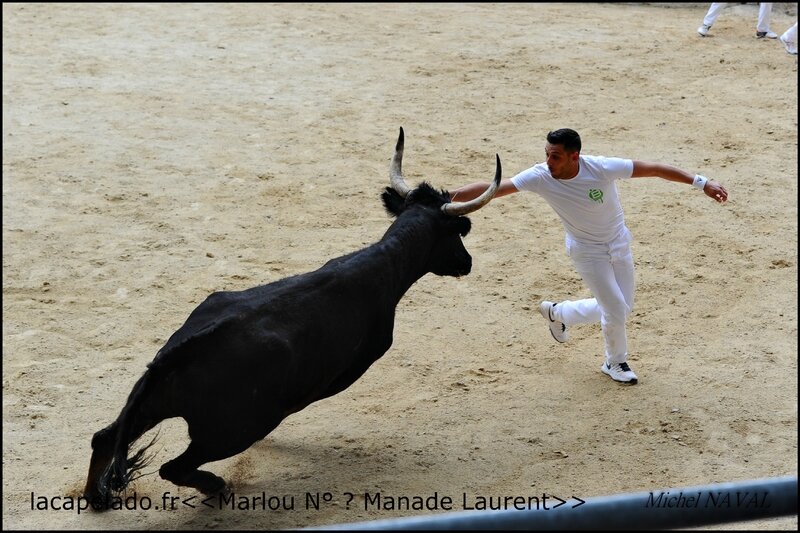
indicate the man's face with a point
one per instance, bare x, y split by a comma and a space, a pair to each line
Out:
562, 164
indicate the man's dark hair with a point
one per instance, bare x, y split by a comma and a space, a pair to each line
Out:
567, 138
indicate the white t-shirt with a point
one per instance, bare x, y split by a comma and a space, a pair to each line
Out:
588, 204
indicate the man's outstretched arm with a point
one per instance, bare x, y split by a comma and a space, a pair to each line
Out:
473, 190
712, 189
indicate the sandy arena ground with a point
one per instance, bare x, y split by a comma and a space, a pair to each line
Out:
153, 154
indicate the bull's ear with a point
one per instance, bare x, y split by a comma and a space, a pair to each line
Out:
462, 225
393, 202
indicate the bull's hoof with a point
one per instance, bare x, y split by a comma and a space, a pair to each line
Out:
97, 500
217, 488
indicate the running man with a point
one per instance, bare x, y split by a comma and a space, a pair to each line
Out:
582, 191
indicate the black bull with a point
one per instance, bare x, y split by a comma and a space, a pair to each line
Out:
244, 361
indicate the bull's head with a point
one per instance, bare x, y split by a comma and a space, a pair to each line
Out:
448, 255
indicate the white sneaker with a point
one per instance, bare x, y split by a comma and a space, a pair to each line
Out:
620, 372
791, 48
557, 329
703, 30
768, 34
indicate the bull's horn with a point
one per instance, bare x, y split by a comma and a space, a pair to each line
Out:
396, 170
462, 208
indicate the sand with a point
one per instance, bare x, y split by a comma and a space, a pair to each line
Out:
153, 154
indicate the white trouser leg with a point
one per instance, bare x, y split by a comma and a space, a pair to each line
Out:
790, 34
572, 312
609, 273
713, 12
764, 14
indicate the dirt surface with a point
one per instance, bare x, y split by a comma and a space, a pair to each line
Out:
153, 154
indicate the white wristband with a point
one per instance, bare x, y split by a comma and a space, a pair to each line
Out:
699, 181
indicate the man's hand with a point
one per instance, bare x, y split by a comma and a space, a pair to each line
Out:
716, 191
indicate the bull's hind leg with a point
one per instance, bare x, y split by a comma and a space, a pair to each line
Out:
209, 444
102, 453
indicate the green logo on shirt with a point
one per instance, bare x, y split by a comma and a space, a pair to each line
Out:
596, 195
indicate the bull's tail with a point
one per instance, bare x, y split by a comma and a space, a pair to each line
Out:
131, 425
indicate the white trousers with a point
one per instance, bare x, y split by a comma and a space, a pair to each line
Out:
790, 34
608, 271
764, 13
